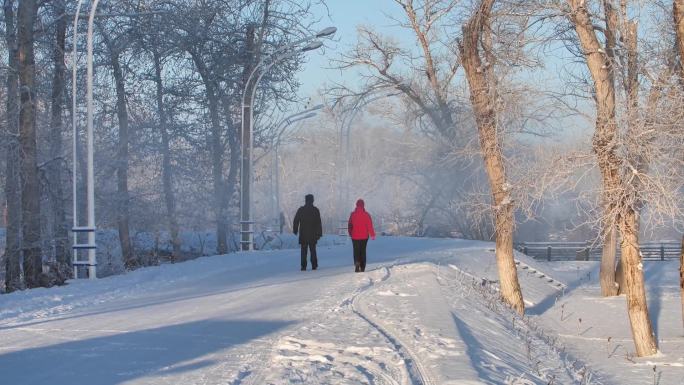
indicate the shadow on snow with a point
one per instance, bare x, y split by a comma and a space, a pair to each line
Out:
117, 358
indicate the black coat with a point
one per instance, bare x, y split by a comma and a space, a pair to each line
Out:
307, 222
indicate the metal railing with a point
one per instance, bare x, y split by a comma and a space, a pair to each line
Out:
586, 251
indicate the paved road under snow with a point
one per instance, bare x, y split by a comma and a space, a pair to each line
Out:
419, 315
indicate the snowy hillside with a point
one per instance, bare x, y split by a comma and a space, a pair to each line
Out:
424, 312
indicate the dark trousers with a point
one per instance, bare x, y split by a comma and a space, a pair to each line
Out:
360, 253
314, 258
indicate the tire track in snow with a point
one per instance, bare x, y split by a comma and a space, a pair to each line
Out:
257, 374
418, 373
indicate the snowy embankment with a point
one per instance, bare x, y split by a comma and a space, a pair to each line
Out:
425, 312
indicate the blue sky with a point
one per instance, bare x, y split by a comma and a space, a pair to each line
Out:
346, 15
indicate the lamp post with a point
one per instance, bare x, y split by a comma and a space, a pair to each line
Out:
246, 179
89, 229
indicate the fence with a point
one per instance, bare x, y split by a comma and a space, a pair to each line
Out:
586, 251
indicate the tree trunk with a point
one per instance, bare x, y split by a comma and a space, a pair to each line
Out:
681, 278
642, 330
122, 166
631, 86
220, 199
233, 135
167, 170
620, 278
602, 148
607, 272
13, 277
30, 197
678, 14
59, 225
485, 117
616, 203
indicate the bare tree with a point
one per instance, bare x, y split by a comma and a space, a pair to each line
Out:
30, 192
115, 49
619, 196
170, 118
426, 80
479, 73
197, 26
167, 169
678, 14
55, 166
430, 93
13, 184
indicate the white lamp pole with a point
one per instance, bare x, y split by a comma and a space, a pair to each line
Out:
74, 113
90, 228
91, 246
248, 96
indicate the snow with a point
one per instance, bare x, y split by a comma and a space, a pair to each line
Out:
426, 311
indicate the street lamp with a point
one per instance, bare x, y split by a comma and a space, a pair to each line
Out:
248, 96
297, 116
89, 229
325, 32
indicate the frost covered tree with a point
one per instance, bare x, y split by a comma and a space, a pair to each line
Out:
478, 64
678, 16
56, 162
622, 169
116, 41
12, 256
425, 78
431, 93
27, 14
168, 82
428, 81
162, 51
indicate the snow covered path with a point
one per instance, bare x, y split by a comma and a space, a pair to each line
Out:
421, 314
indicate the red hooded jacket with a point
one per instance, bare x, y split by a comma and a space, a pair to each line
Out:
360, 223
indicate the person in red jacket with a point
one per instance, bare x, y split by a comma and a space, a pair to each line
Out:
360, 227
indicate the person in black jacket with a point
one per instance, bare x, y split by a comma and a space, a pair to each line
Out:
307, 222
